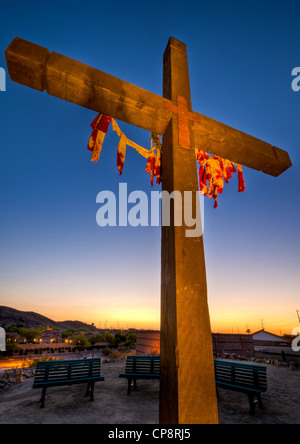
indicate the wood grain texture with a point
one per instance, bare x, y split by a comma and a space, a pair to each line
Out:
33, 66
187, 390
26, 63
222, 140
78, 83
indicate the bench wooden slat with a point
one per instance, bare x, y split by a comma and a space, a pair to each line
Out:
58, 383
241, 388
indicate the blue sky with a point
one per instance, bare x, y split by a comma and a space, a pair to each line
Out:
54, 258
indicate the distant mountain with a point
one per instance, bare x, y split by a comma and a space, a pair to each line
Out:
10, 316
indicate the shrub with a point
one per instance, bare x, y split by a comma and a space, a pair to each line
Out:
81, 342
115, 354
106, 351
32, 363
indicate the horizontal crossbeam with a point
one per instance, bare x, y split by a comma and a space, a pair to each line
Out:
34, 66
229, 143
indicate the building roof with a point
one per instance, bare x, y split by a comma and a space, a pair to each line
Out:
268, 336
50, 334
12, 335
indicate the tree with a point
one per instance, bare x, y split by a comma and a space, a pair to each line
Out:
15, 328
68, 333
120, 337
131, 340
30, 333
96, 338
109, 337
81, 341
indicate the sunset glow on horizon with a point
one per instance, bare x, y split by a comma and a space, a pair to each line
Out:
228, 315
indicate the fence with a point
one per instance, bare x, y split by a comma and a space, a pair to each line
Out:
148, 342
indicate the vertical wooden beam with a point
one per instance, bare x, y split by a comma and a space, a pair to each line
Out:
187, 383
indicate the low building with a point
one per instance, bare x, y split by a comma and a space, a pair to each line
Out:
264, 338
13, 337
49, 337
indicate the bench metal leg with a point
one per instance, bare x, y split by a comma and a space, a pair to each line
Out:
253, 403
129, 386
260, 404
42, 400
90, 390
134, 384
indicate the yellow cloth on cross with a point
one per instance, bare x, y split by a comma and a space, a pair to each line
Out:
97, 146
138, 148
214, 170
100, 126
121, 153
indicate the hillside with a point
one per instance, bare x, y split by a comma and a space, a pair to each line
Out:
10, 316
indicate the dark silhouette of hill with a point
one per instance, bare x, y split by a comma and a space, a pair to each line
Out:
10, 316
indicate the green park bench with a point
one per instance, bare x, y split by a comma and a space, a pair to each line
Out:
140, 367
59, 373
244, 378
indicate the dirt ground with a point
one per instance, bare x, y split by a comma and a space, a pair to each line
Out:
19, 404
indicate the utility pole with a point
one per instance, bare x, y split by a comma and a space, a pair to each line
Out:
298, 314
262, 324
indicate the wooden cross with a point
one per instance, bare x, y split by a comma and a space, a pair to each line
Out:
187, 383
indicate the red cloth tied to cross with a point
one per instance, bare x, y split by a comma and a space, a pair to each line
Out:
154, 160
154, 167
214, 170
121, 153
100, 127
